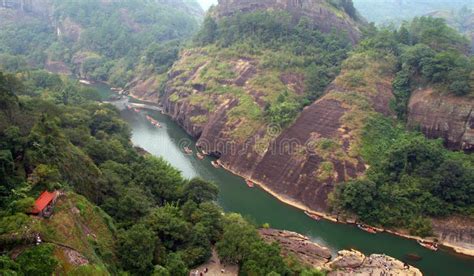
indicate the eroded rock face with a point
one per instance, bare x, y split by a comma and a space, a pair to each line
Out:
456, 231
301, 163
443, 116
302, 247
320, 11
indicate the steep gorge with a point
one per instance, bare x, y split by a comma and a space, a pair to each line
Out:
301, 162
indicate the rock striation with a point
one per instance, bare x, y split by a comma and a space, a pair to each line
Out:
301, 163
298, 245
443, 116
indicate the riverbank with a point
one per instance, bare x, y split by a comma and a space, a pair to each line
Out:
264, 207
456, 249
346, 262
298, 205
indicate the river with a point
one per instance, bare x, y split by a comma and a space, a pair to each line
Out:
259, 206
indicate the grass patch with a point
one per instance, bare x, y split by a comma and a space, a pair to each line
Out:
173, 97
200, 119
325, 171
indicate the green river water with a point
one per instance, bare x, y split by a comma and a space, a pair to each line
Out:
261, 207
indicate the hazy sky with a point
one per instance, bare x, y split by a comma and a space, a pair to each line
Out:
207, 3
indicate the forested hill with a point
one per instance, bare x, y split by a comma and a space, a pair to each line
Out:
458, 14
258, 75
396, 11
122, 42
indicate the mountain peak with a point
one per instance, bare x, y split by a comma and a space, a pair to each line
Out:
326, 14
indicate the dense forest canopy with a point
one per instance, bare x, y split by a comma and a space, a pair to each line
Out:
281, 45
110, 41
54, 135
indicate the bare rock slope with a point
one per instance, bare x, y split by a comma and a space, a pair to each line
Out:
443, 116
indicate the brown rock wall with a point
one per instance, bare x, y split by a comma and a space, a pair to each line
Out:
443, 116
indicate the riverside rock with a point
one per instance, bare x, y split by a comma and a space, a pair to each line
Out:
353, 262
347, 262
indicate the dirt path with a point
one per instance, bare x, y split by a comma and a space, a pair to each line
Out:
215, 267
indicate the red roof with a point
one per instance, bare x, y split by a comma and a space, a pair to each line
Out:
43, 200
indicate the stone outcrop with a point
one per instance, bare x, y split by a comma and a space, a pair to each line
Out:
455, 231
325, 16
347, 262
301, 163
443, 116
352, 262
295, 244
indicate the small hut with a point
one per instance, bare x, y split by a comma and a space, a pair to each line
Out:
44, 204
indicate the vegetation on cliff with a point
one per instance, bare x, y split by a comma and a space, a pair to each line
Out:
382, 12
411, 178
265, 63
137, 213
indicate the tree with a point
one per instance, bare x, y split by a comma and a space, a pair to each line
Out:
38, 260
135, 248
131, 204
208, 32
160, 271
460, 87
168, 224
8, 267
8, 98
264, 259
237, 240
455, 183
358, 196
175, 265
160, 178
199, 190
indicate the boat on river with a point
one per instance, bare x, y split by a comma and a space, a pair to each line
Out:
200, 156
367, 228
86, 82
187, 150
215, 164
250, 183
313, 216
153, 121
429, 245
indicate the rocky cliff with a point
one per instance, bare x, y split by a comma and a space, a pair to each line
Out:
301, 163
326, 16
443, 116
